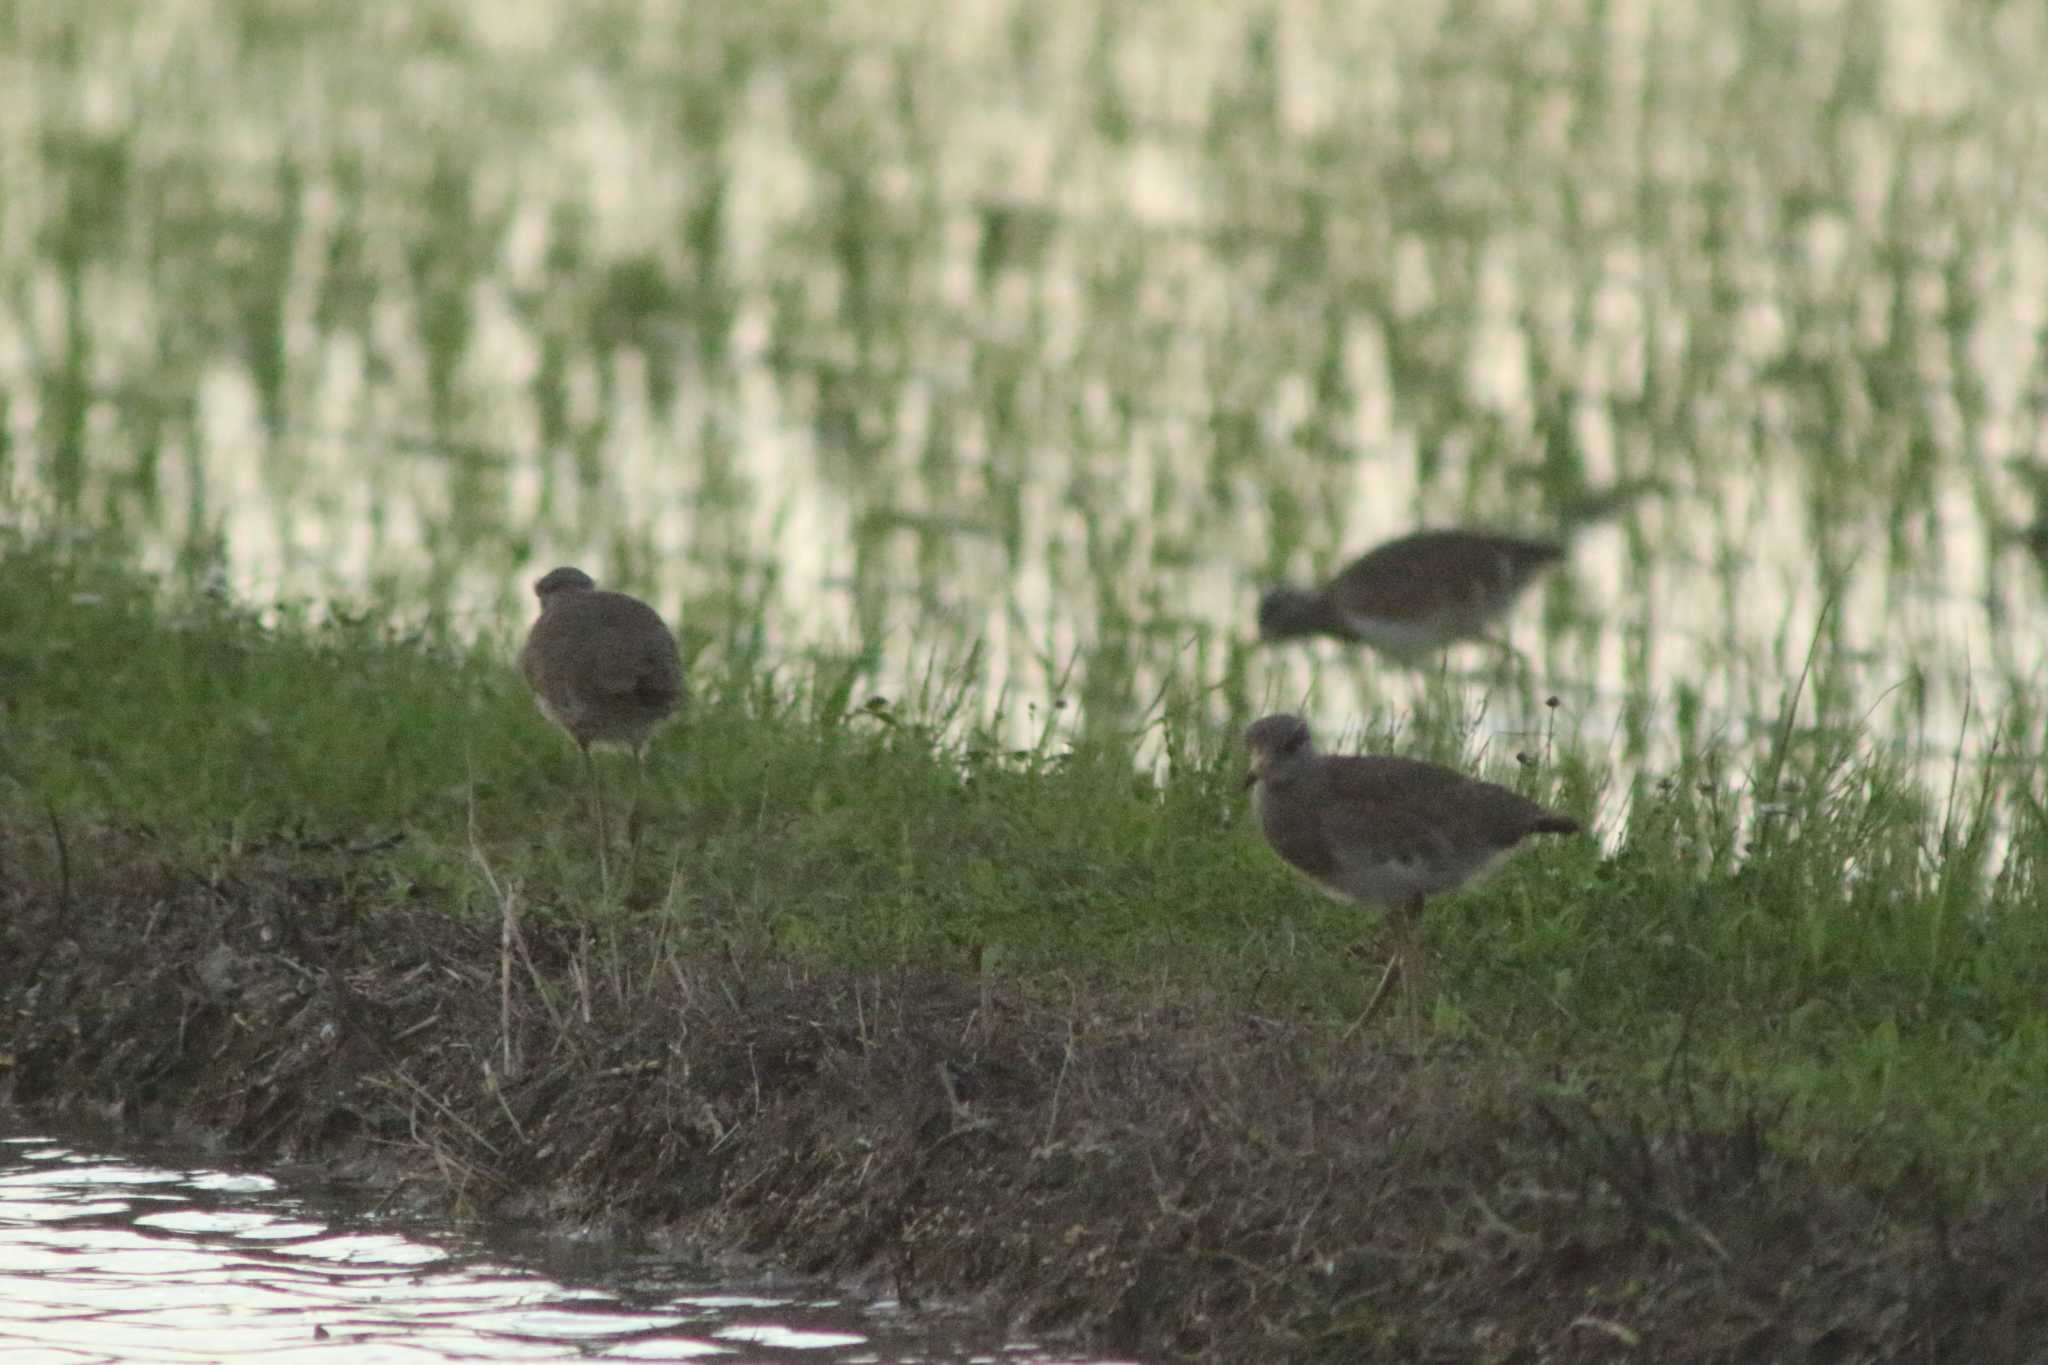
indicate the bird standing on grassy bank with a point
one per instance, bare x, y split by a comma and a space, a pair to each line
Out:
1385, 832
1413, 595
605, 668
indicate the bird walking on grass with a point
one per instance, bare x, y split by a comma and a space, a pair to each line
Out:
603, 666
1383, 832
1414, 595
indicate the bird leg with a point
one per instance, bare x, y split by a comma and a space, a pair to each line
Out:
633, 809
604, 874
1405, 962
1409, 953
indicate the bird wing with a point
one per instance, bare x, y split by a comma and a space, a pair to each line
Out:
1364, 835
1422, 808
1433, 571
659, 678
1369, 814
635, 653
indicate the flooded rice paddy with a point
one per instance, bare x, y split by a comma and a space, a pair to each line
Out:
1014, 347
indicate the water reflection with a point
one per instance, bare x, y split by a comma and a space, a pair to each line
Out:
105, 1259
1044, 335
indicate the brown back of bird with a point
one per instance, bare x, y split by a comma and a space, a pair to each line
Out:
603, 666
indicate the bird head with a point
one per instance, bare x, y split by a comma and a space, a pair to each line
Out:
1285, 613
564, 579
1278, 744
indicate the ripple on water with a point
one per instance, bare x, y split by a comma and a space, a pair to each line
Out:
107, 1259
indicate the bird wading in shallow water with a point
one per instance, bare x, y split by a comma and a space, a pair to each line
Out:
1383, 832
603, 666
1415, 595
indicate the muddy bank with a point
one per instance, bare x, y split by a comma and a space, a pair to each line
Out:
1156, 1176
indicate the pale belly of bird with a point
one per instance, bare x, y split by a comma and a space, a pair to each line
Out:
1418, 634
1402, 879
609, 725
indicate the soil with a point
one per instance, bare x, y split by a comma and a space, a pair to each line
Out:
1148, 1175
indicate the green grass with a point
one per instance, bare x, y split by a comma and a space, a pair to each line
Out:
1867, 956
991, 366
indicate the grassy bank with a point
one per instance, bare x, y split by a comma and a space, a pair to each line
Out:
1723, 1093
1798, 923
1150, 1170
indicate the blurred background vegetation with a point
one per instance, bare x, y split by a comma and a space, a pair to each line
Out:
1034, 338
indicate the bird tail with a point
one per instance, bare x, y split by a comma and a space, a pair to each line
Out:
1555, 824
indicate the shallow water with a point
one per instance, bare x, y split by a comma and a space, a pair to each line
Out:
114, 1257
1027, 341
